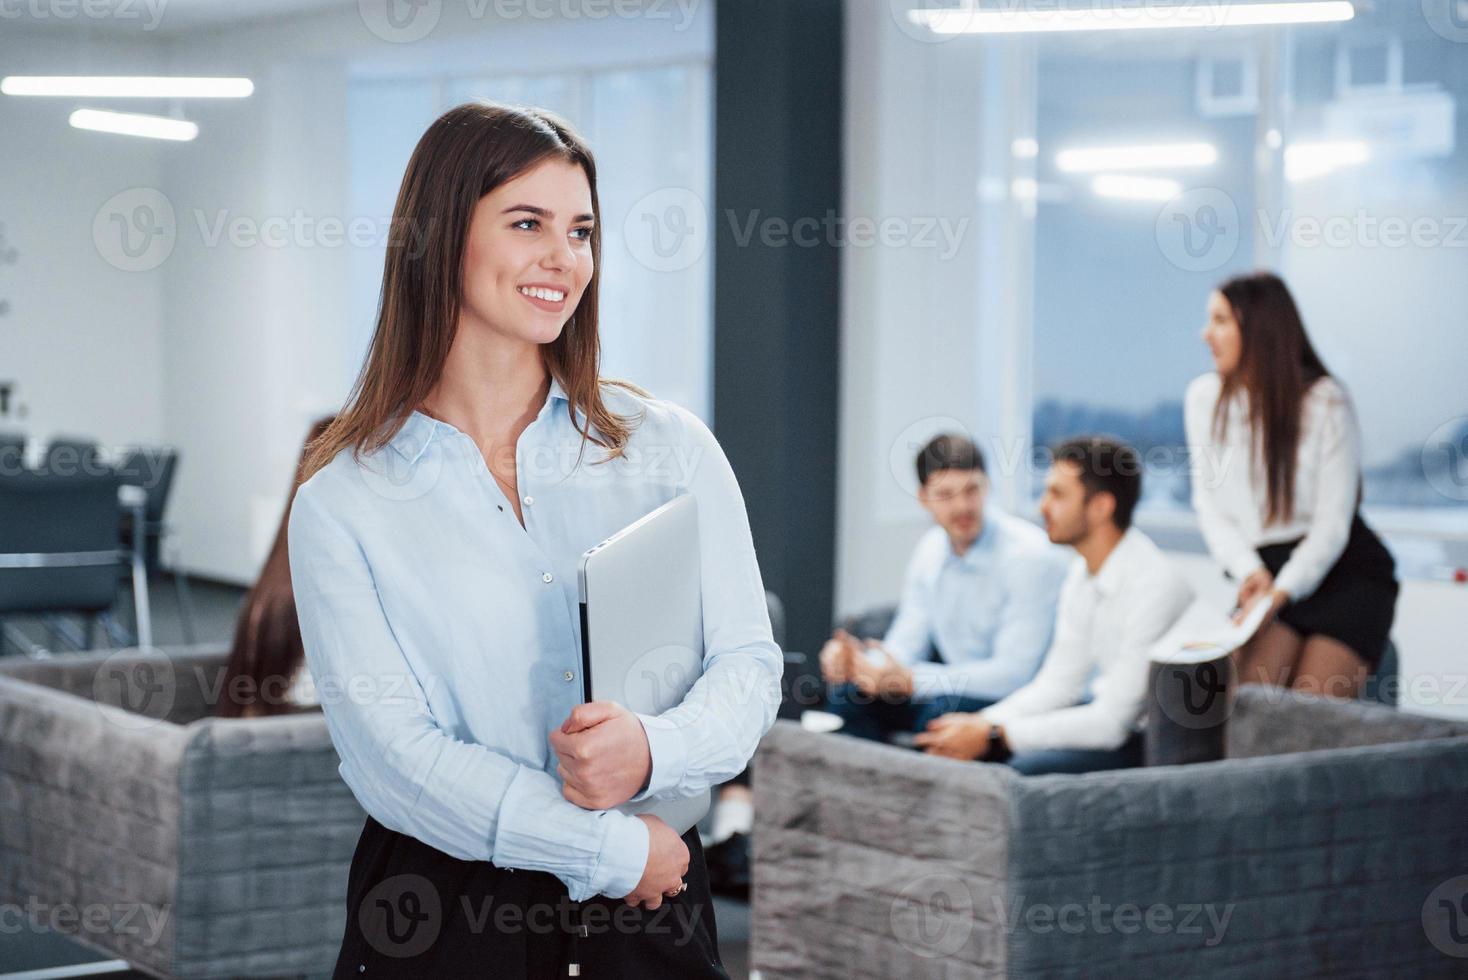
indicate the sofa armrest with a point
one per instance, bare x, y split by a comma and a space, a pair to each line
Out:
875, 861
89, 812
1274, 721
195, 676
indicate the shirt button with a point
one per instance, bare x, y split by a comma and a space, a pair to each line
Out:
568, 675
547, 578
529, 500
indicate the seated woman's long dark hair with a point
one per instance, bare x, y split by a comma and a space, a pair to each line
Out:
267, 651
1277, 366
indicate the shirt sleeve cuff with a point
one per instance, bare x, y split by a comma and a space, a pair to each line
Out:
1245, 564
669, 748
623, 858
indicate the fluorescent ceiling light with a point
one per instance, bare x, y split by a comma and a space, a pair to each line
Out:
1092, 159
127, 87
1304, 161
969, 18
134, 124
1136, 188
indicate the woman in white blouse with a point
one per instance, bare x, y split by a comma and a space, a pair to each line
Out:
1278, 495
434, 549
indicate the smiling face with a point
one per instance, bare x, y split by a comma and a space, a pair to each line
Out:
1222, 334
528, 256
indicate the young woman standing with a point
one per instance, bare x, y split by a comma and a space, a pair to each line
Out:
433, 552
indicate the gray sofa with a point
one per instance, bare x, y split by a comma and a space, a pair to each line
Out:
206, 847
1330, 843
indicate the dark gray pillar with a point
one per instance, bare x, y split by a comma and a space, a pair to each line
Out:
777, 159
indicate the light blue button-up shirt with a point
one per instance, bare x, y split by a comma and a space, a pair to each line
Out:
444, 637
989, 611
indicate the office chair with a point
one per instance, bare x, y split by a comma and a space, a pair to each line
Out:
58, 551
151, 470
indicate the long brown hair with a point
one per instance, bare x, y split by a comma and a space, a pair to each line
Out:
1277, 366
465, 154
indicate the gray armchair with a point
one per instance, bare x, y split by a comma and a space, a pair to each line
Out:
1316, 848
218, 847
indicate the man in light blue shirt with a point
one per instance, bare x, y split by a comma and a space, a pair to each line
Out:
977, 609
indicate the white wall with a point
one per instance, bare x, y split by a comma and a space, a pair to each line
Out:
920, 120
82, 339
260, 340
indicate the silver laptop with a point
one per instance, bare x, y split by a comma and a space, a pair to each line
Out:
642, 627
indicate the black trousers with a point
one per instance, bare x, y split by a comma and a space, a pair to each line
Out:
415, 912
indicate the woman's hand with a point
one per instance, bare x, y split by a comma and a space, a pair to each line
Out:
1259, 582
667, 863
605, 758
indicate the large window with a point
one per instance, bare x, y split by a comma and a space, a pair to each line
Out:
650, 129
1332, 154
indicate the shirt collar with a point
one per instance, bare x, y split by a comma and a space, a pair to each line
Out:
981, 550
1114, 567
418, 429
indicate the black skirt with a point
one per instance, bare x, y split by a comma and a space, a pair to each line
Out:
1355, 602
415, 912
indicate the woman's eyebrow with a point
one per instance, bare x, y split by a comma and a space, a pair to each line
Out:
540, 212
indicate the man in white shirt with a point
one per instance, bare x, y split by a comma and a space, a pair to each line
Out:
1121, 596
980, 594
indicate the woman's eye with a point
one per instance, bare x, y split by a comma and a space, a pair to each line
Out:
524, 222
585, 233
